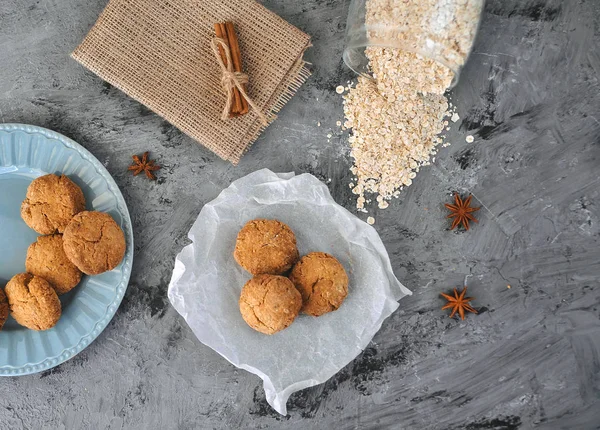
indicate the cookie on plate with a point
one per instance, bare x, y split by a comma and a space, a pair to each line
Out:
322, 281
3, 308
50, 203
269, 303
94, 242
266, 246
46, 258
33, 302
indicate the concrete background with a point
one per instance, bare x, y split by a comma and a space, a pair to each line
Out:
531, 358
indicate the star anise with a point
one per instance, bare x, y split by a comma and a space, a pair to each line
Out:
461, 211
143, 165
459, 303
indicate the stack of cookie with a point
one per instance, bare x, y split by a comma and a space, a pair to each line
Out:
316, 283
74, 242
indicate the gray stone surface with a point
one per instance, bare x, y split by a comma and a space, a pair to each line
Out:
531, 358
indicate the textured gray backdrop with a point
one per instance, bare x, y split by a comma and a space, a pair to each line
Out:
531, 358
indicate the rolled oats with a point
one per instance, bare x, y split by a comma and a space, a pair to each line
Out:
396, 117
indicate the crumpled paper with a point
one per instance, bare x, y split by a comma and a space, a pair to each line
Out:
207, 282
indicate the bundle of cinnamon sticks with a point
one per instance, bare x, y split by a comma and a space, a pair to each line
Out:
226, 31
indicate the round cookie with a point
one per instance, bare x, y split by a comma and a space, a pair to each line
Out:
269, 303
322, 282
46, 258
3, 308
33, 302
50, 203
94, 242
266, 246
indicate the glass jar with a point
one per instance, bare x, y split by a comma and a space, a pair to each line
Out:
442, 30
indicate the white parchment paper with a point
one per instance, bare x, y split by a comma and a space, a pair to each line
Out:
207, 282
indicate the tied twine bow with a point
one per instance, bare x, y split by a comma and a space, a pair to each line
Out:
231, 80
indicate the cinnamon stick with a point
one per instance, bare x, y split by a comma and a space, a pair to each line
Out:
236, 57
236, 104
220, 34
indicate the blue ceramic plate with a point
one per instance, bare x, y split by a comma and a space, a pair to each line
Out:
27, 152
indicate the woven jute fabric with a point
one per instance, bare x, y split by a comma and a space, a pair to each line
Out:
159, 52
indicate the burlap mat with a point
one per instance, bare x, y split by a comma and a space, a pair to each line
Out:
159, 53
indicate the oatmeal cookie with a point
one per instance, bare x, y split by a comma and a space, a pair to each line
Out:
50, 203
266, 246
46, 258
322, 282
94, 242
33, 302
269, 303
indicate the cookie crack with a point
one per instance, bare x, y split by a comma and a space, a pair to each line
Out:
312, 287
41, 203
262, 302
83, 239
276, 235
331, 305
256, 316
17, 300
49, 222
272, 238
327, 297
